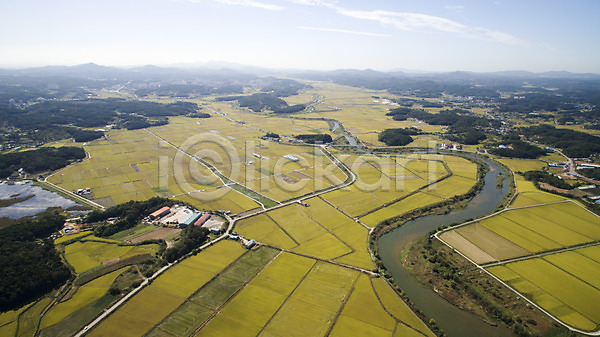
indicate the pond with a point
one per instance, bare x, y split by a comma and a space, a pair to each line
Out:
28, 200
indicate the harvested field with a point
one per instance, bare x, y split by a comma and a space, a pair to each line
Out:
458, 242
158, 233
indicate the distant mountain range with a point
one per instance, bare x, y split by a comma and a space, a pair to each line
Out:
229, 70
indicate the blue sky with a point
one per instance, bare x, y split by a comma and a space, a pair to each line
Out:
440, 35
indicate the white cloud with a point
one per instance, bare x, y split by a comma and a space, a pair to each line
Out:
420, 22
335, 30
249, 3
456, 8
424, 22
312, 2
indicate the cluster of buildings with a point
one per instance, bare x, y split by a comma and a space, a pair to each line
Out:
450, 146
83, 191
182, 217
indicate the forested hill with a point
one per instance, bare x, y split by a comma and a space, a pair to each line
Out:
40, 160
30, 264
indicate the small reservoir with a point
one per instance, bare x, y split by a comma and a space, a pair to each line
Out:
20, 199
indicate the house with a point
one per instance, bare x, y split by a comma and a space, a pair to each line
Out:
160, 213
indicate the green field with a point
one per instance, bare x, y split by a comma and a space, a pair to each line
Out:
523, 165
87, 255
559, 283
30, 317
85, 294
167, 292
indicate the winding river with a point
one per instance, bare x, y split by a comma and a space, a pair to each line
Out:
454, 321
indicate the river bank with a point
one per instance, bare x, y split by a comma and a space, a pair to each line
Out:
441, 313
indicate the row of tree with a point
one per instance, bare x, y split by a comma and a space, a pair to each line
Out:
89, 113
574, 144
315, 138
39, 160
129, 214
516, 148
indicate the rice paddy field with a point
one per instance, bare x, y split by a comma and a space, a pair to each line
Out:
228, 291
383, 181
86, 255
306, 280
318, 230
155, 302
139, 164
564, 284
543, 233
523, 165
296, 296
361, 114
525, 231
83, 296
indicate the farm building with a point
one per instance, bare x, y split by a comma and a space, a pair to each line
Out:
249, 244
190, 219
202, 219
290, 157
160, 213
177, 215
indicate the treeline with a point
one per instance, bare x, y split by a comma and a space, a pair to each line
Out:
282, 87
574, 144
188, 90
261, 101
290, 109
198, 115
532, 102
454, 118
89, 113
398, 137
50, 133
593, 173
129, 214
462, 126
545, 177
31, 266
405, 86
39, 160
190, 238
315, 138
516, 148
133, 122
257, 102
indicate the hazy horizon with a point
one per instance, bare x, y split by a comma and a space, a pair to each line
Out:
435, 36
